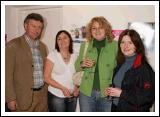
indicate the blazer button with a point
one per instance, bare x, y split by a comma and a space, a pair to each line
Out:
108, 65
32, 65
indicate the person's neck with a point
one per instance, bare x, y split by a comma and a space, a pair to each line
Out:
33, 40
64, 51
98, 43
130, 58
65, 55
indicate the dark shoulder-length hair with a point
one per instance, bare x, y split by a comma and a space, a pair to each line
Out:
70, 39
137, 41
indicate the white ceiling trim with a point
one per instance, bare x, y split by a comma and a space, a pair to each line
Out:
34, 7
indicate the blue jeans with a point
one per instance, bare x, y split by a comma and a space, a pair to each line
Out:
95, 103
56, 104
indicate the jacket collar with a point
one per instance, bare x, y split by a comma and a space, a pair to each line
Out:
136, 64
137, 61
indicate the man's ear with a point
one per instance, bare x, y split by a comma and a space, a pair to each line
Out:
25, 26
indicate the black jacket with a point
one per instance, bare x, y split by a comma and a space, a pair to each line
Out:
138, 87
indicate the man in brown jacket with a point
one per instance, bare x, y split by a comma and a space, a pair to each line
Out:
25, 89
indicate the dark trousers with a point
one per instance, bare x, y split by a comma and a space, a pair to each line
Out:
57, 104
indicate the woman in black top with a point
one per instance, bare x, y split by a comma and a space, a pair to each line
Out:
133, 87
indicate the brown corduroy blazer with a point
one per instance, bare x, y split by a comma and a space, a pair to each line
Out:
19, 70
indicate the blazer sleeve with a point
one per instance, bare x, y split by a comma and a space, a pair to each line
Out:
9, 71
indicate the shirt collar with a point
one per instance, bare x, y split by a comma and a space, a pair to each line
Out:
31, 43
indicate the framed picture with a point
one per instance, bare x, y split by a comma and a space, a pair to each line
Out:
78, 36
116, 34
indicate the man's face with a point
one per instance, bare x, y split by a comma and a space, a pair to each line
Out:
33, 28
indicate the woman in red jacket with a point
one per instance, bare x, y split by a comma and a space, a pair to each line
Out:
133, 87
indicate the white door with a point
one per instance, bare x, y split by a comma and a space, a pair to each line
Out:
53, 22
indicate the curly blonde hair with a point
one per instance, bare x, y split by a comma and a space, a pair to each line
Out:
104, 24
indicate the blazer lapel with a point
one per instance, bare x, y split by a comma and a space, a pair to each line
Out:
26, 48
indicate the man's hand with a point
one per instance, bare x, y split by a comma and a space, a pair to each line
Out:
12, 105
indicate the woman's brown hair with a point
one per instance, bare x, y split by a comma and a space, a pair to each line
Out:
137, 41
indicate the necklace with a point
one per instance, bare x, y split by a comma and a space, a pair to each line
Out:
66, 57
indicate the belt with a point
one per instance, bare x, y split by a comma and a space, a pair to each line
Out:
37, 89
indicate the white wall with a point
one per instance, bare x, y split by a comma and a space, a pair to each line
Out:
11, 22
78, 15
117, 15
